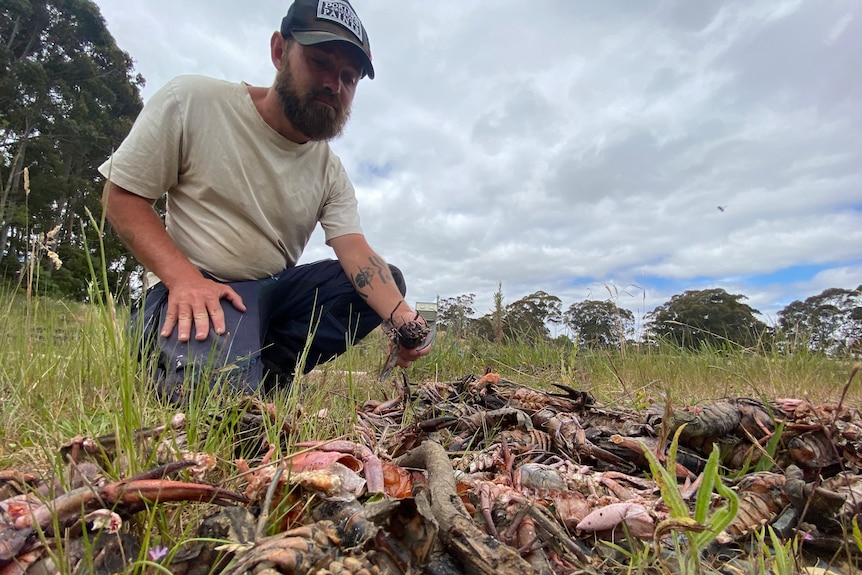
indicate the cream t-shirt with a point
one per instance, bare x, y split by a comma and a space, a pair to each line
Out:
242, 200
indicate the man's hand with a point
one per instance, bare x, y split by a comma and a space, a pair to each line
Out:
198, 302
408, 342
407, 356
411, 347
192, 298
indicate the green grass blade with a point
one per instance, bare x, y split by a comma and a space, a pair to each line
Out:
704, 493
766, 463
665, 477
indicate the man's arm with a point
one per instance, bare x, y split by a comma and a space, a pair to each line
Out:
192, 298
371, 277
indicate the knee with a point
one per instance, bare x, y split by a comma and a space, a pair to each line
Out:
399, 279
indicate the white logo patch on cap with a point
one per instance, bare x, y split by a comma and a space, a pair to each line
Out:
340, 12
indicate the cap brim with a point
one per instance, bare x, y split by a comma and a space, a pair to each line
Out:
312, 37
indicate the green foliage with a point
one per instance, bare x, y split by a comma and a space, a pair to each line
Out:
67, 97
524, 320
498, 315
782, 559
705, 525
709, 317
766, 460
857, 535
829, 322
454, 314
599, 324
711, 321
528, 317
490, 326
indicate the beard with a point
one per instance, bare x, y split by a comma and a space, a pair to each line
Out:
305, 113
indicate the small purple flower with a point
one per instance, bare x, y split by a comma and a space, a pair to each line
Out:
158, 552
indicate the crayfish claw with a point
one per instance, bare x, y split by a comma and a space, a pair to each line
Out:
390, 363
583, 397
162, 471
138, 491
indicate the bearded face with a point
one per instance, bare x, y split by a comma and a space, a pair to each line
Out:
307, 110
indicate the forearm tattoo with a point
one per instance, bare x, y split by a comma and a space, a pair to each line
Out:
381, 268
364, 278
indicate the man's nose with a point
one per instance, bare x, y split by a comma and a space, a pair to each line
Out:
332, 82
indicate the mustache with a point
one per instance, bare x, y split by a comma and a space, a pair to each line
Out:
328, 97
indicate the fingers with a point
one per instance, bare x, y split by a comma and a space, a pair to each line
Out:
170, 322
234, 298
406, 357
182, 317
202, 324
214, 313
200, 308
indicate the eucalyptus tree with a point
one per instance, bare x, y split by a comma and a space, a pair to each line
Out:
710, 317
455, 314
830, 321
68, 95
529, 317
599, 324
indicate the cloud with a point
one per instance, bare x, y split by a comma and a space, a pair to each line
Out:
580, 148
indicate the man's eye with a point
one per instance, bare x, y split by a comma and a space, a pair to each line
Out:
350, 79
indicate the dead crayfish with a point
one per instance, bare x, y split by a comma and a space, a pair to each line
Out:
412, 334
24, 517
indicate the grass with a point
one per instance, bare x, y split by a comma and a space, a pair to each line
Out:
66, 371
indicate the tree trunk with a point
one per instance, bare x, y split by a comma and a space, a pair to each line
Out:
13, 185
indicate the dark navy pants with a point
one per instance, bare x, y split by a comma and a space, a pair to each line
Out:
312, 306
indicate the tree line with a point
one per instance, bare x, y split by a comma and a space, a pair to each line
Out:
829, 322
68, 96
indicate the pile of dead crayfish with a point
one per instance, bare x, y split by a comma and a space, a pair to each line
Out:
481, 475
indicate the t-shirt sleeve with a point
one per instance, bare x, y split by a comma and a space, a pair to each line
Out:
339, 215
147, 163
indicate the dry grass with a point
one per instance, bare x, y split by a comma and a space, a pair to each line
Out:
66, 371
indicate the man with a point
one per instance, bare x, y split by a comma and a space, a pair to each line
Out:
248, 174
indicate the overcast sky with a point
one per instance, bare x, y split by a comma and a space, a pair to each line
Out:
592, 149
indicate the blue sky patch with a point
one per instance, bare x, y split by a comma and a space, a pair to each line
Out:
371, 171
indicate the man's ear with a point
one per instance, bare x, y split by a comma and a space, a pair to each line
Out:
276, 49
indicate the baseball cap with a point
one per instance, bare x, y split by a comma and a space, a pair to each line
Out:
316, 21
